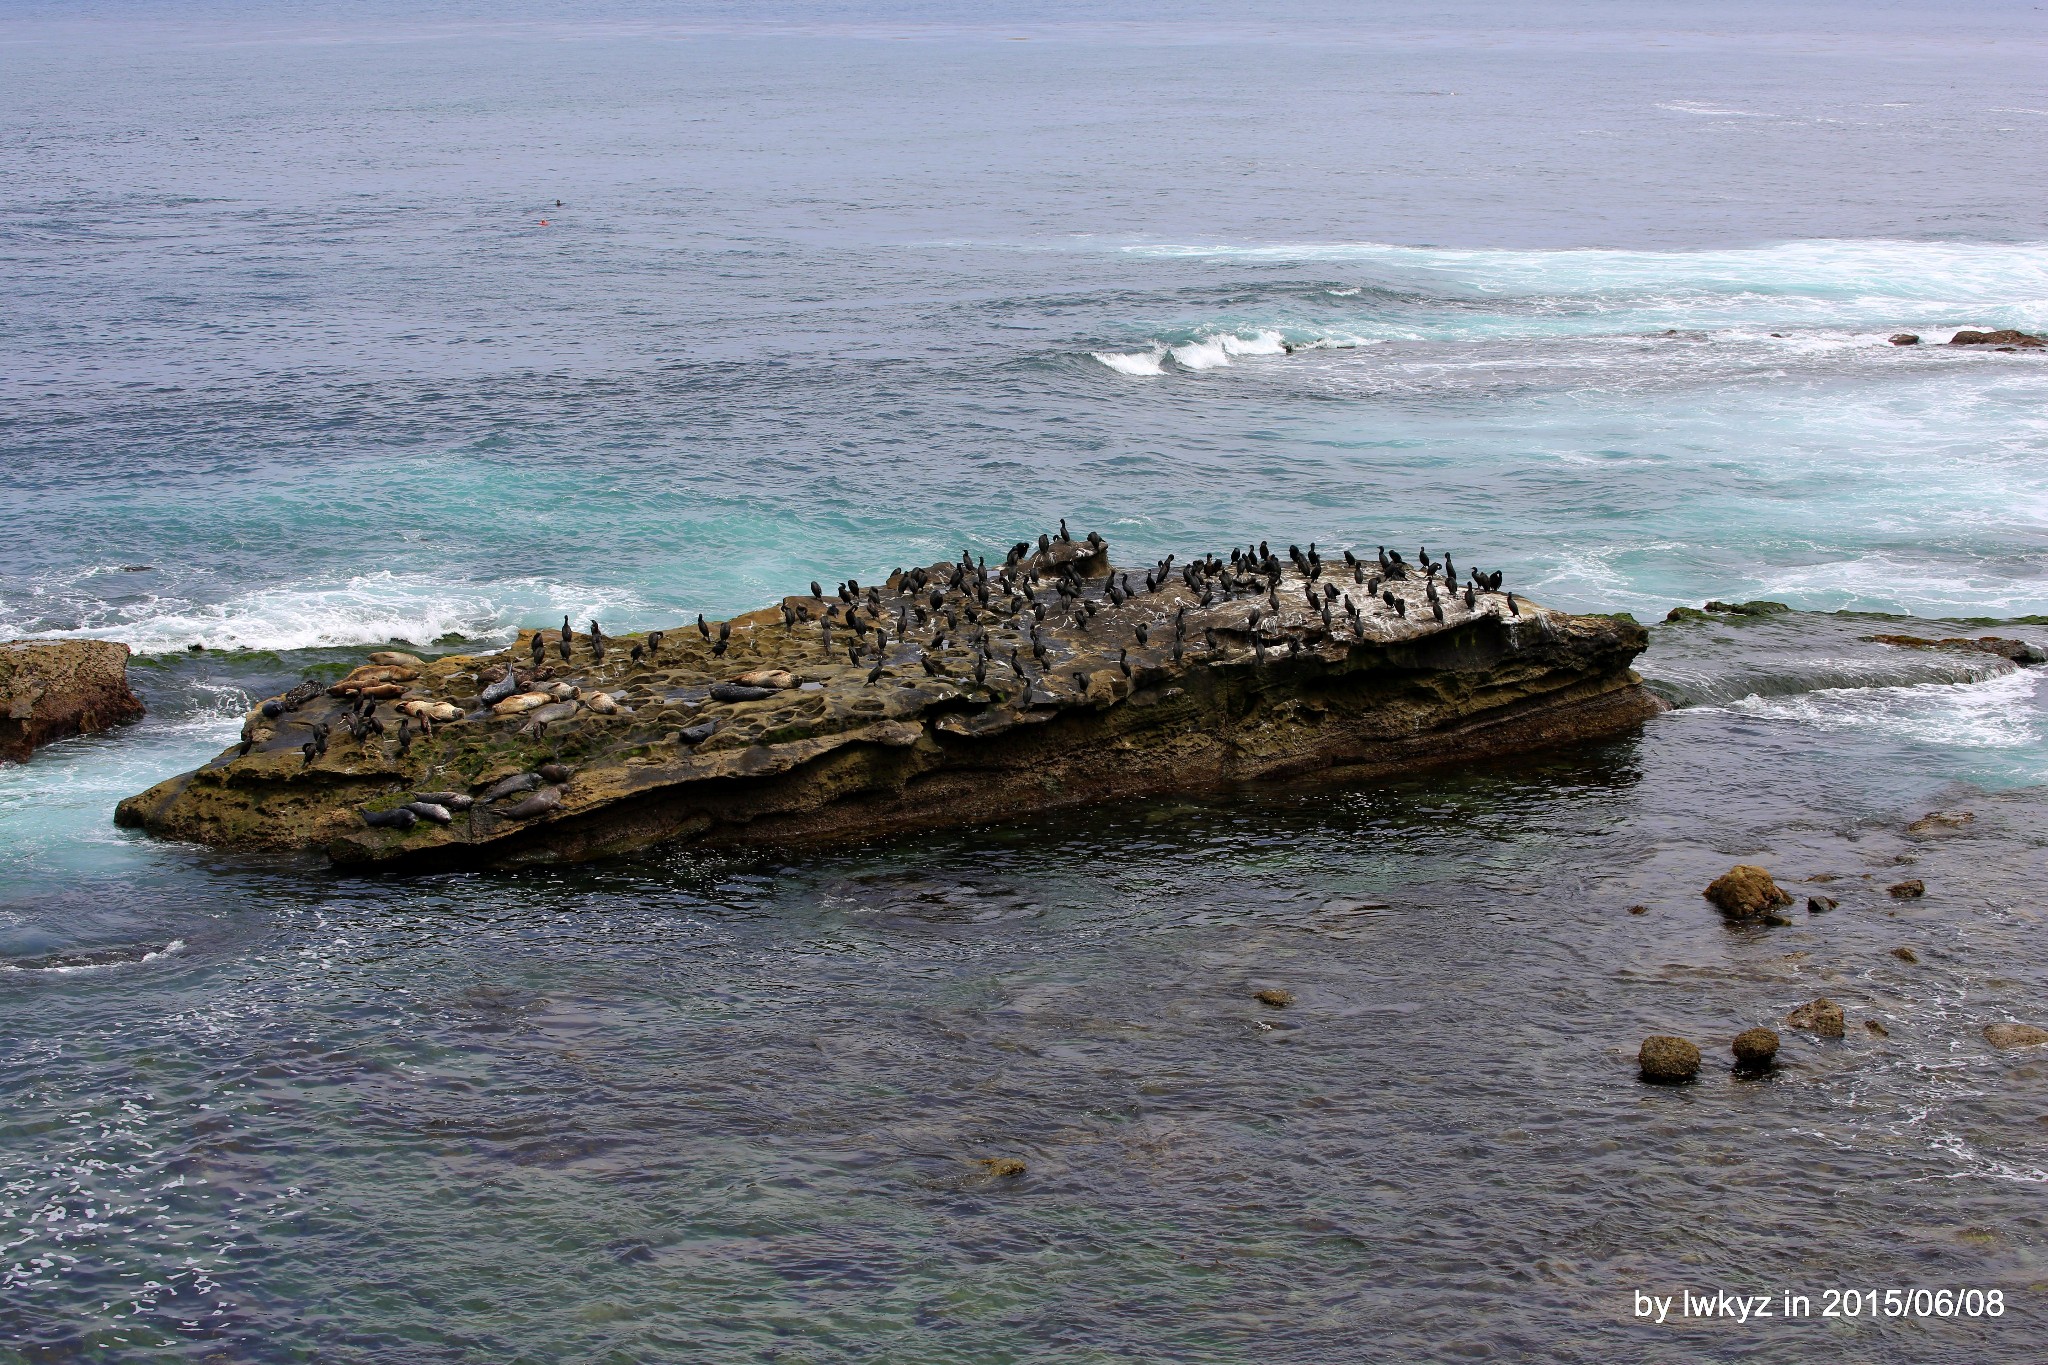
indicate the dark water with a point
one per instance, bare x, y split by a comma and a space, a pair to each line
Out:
1597, 295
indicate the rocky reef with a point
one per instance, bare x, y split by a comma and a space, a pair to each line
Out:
950, 694
51, 689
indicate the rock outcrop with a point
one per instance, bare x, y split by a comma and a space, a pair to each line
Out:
2003, 337
952, 694
1746, 891
51, 689
2015, 1035
1754, 1048
1822, 1016
1665, 1059
2019, 651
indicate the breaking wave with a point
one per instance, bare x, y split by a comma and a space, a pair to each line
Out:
367, 609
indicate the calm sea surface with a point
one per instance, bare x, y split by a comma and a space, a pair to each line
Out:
322, 327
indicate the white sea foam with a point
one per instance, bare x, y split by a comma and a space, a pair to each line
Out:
1134, 362
1206, 354
1878, 281
1993, 714
176, 945
365, 609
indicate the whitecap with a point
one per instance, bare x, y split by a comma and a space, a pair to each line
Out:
1206, 354
1993, 714
366, 609
1133, 362
1258, 343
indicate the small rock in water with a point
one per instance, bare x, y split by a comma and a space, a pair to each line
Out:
2004, 336
1820, 905
1939, 819
1002, 1167
1822, 1016
1876, 1028
1639, 909
1911, 889
1905, 954
1905, 339
2015, 1035
1275, 997
1746, 891
1755, 1048
1667, 1060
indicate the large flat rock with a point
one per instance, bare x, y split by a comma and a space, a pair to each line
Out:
52, 689
949, 695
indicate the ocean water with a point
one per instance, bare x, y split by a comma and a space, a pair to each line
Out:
301, 355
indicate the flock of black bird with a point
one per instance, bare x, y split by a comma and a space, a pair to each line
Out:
965, 610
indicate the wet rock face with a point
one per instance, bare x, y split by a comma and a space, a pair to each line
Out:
1667, 1060
2015, 1035
947, 694
51, 689
1755, 1048
1822, 1016
2003, 337
1746, 891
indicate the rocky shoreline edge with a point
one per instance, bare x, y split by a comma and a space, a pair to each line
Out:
951, 694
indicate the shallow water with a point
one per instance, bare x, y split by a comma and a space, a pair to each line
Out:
1599, 299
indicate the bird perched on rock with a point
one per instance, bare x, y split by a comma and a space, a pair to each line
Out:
704, 627
1123, 662
539, 649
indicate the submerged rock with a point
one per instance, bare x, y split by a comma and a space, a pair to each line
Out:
1935, 821
1822, 1016
1274, 996
1746, 891
1755, 1048
951, 694
2019, 651
2006, 336
52, 689
1912, 889
1002, 1167
2015, 1035
1820, 905
1667, 1060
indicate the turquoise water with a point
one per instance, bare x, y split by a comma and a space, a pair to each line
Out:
290, 367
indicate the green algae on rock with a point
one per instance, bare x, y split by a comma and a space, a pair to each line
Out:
951, 694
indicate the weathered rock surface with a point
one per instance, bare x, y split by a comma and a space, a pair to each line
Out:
1746, 891
1668, 1060
1755, 1048
2019, 651
1822, 1016
2015, 1035
2003, 337
968, 695
51, 689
